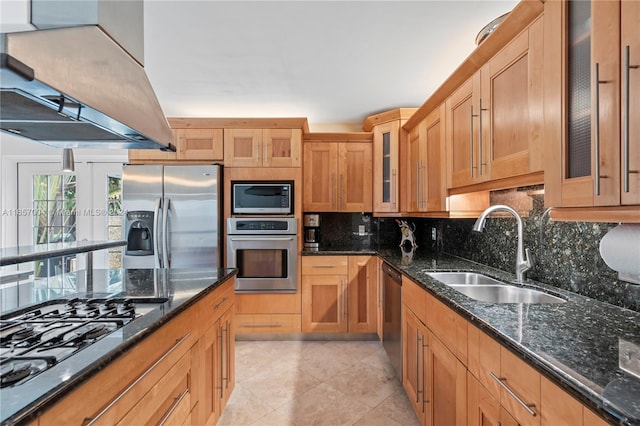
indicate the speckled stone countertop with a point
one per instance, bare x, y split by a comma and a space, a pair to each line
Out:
165, 292
575, 344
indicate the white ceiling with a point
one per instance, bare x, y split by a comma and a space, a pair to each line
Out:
334, 62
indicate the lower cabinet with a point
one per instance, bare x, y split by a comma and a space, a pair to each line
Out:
215, 351
268, 313
339, 294
484, 408
455, 374
414, 335
182, 374
446, 388
498, 377
433, 377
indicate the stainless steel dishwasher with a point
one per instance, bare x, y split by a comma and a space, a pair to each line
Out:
392, 312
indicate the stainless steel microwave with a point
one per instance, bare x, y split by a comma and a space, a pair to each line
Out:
262, 197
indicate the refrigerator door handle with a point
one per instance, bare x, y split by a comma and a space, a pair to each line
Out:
166, 208
156, 232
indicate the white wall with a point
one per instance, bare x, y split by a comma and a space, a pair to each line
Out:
13, 150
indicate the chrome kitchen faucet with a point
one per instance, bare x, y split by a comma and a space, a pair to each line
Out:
523, 261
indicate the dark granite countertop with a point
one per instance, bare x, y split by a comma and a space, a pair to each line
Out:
15, 255
575, 344
339, 251
163, 292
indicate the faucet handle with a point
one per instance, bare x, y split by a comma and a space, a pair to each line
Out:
527, 258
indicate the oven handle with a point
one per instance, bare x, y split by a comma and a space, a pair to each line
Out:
261, 238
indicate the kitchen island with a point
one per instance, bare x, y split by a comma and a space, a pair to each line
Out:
576, 344
179, 316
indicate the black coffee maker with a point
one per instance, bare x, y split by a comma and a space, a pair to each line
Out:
311, 223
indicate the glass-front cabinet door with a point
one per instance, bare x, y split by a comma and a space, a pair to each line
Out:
385, 170
592, 53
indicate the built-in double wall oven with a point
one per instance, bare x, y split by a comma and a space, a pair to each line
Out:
265, 252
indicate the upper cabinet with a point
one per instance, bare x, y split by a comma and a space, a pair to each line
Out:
425, 174
192, 144
494, 121
388, 134
238, 142
592, 59
262, 147
337, 172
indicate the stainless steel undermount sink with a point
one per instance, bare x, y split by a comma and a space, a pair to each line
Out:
486, 289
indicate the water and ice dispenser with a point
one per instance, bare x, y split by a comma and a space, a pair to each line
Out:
139, 233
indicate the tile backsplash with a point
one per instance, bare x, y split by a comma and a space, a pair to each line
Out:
565, 254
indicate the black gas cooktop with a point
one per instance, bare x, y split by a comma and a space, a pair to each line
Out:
36, 339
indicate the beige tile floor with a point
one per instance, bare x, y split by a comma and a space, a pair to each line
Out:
315, 383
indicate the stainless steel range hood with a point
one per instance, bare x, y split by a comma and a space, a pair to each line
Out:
76, 87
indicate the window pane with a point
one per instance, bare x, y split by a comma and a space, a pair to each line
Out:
39, 187
114, 210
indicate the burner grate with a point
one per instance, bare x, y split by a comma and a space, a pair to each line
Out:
36, 339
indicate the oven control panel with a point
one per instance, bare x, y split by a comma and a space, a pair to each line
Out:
253, 226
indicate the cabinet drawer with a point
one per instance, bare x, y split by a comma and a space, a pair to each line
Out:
483, 359
268, 323
415, 298
153, 390
520, 387
168, 398
217, 302
325, 265
450, 327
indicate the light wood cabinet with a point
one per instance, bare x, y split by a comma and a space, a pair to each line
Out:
339, 294
386, 179
337, 176
426, 177
499, 378
192, 145
226, 337
462, 135
494, 120
181, 374
593, 158
454, 373
483, 408
446, 386
448, 326
267, 323
262, 147
262, 313
146, 384
388, 136
215, 351
363, 276
433, 377
320, 170
324, 281
414, 341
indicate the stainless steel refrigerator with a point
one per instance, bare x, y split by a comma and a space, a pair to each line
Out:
171, 216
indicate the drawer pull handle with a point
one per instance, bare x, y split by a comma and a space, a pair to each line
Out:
501, 381
221, 303
176, 403
90, 421
260, 325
